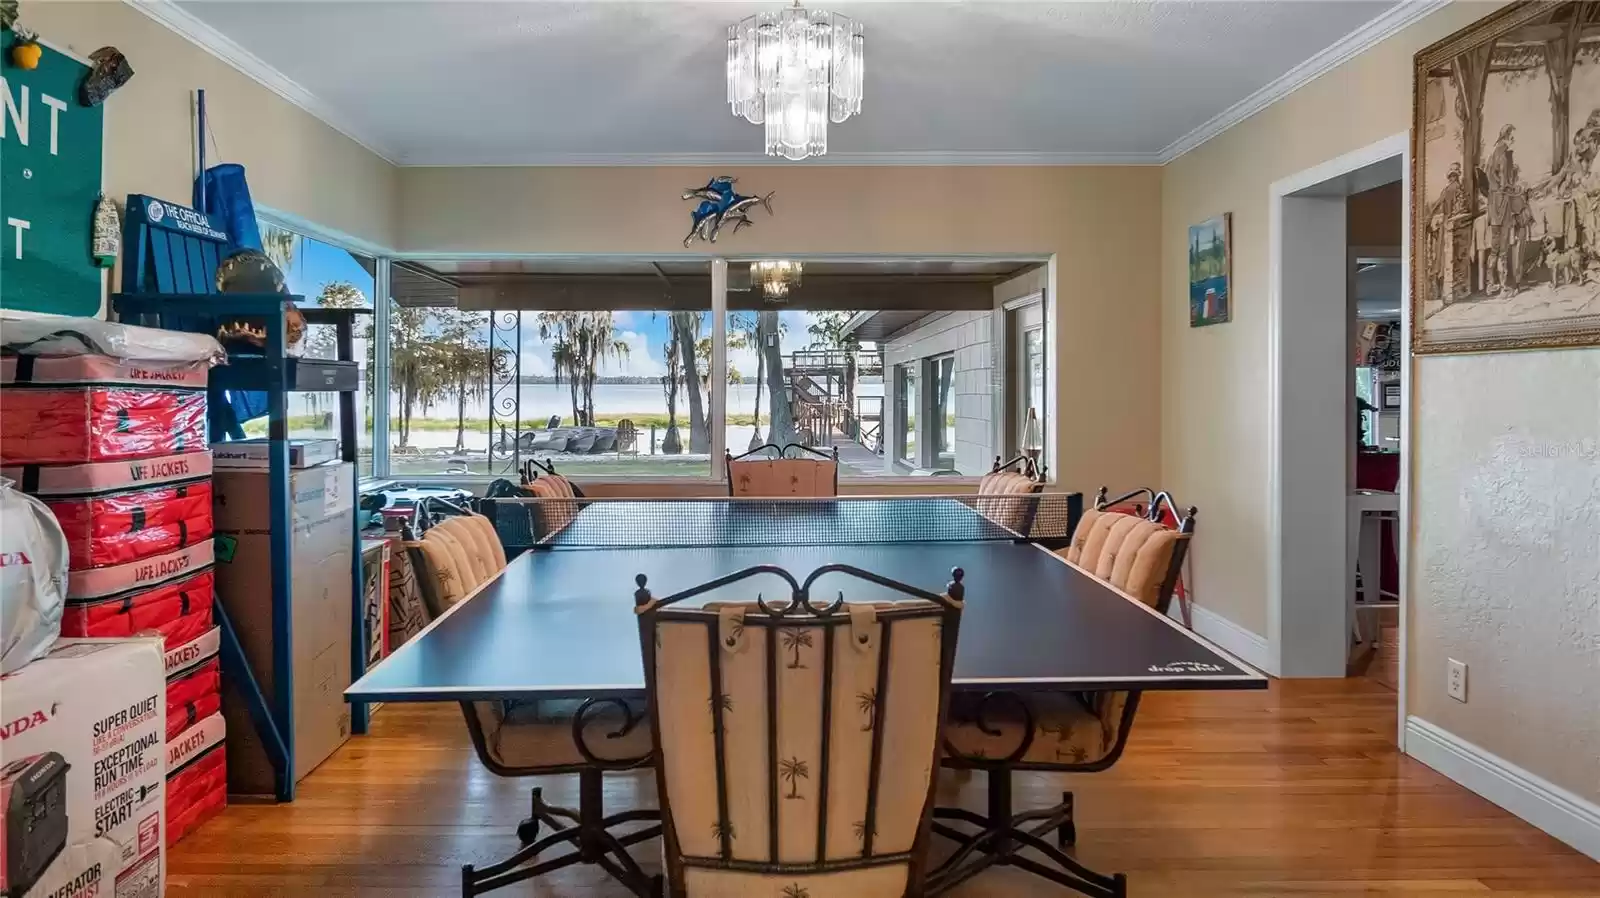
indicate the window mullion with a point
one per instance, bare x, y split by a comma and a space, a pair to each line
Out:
718, 388
380, 369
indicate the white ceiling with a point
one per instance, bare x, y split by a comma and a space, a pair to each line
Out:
463, 83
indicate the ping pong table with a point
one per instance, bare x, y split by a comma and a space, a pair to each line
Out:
558, 622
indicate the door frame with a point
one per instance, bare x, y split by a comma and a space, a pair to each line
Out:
1284, 643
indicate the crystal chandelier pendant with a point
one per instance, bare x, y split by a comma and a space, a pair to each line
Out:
776, 277
793, 72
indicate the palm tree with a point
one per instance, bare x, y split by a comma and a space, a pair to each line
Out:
722, 827
867, 704
724, 700
795, 890
793, 770
794, 638
860, 829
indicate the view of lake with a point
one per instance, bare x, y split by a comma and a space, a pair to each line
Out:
540, 401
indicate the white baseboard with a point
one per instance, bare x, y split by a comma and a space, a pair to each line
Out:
1573, 820
1249, 647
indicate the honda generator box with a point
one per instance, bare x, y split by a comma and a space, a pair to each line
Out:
83, 731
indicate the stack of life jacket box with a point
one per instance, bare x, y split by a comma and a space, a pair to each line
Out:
117, 449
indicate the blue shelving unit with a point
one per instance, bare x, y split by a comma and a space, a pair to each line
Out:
168, 282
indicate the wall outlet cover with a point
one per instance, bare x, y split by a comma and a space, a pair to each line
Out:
1456, 680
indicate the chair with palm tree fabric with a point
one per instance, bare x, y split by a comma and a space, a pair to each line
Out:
797, 740
1070, 732
520, 739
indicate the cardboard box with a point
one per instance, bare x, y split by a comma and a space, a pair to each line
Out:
99, 706
322, 521
253, 453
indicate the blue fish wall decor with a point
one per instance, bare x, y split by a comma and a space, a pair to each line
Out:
720, 205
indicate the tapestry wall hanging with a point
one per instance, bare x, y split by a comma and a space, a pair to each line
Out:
1505, 184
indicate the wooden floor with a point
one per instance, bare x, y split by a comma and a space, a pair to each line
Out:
1293, 792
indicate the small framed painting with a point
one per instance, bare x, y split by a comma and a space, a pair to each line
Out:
1211, 271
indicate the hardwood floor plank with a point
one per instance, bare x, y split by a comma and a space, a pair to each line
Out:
1296, 792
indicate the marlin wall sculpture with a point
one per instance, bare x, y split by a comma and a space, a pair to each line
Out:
720, 205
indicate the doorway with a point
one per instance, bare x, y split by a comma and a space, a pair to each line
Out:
1312, 457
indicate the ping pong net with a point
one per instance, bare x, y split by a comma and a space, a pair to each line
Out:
571, 523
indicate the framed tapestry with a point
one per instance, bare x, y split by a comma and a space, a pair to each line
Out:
1505, 183
1211, 271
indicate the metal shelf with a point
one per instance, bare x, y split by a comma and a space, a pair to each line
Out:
276, 375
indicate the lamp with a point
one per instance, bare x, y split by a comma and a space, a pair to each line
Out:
1032, 438
776, 277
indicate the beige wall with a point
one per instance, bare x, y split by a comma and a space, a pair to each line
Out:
1214, 379
296, 164
1504, 450
1099, 223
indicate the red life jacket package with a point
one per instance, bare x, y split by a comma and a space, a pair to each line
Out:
194, 681
179, 610
121, 511
97, 584
46, 425
197, 778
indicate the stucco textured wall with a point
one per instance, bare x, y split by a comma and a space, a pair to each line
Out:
1507, 571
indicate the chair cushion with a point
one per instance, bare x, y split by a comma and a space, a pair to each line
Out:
497, 551
554, 514
1066, 729
465, 571
478, 557
448, 585
1080, 536
1011, 513
686, 706
779, 477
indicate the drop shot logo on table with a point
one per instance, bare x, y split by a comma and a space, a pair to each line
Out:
1184, 667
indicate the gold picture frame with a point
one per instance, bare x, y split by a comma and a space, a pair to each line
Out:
1505, 183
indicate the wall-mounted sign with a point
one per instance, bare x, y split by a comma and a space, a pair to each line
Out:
50, 151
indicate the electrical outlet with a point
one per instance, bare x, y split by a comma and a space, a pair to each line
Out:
1456, 680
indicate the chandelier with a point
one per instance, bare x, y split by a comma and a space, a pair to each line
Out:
776, 277
794, 71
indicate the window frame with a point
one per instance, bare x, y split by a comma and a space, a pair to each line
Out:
717, 412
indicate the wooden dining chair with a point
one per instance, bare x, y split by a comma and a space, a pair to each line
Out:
797, 739
1066, 732
1017, 477
525, 739
807, 472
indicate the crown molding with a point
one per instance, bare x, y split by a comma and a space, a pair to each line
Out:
197, 32
1336, 54
926, 158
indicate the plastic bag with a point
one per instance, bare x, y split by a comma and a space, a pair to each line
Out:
33, 578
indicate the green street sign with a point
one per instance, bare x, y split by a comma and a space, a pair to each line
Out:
50, 151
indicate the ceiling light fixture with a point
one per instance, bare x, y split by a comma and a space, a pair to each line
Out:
776, 277
794, 71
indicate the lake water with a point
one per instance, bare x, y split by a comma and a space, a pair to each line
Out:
540, 401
